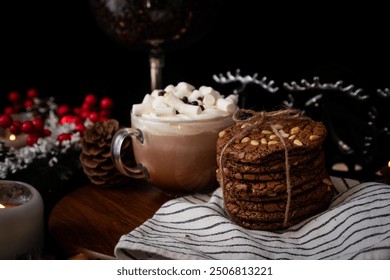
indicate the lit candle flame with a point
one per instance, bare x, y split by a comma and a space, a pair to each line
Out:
388, 164
12, 137
2, 206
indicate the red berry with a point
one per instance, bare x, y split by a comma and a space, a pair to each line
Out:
79, 119
77, 111
63, 110
85, 114
64, 136
68, 119
105, 113
90, 99
71, 119
32, 139
27, 127
15, 130
106, 103
86, 107
32, 93
93, 117
14, 96
79, 127
17, 123
5, 121
16, 127
28, 103
38, 124
9, 110
46, 132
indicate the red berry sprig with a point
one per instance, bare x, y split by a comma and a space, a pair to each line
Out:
91, 109
34, 129
18, 103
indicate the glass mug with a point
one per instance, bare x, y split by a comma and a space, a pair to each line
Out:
173, 155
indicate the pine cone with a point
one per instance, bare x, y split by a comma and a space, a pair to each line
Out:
95, 156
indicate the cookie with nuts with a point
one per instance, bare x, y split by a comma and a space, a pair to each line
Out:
272, 170
267, 221
275, 169
261, 197
272, 215
301, 204
278, 224
258, 142
261, 191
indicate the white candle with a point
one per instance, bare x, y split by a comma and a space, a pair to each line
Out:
12, 140
2, 206
21, 221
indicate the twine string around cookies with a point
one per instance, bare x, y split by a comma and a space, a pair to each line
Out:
251, 120
288, 182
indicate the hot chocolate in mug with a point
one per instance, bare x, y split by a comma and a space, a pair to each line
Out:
175, 156
174, 133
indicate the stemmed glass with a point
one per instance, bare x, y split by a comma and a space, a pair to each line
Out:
155, 25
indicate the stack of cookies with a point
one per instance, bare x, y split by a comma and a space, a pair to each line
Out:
272, 169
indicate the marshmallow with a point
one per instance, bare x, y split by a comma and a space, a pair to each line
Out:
173, 101
148, 99
233, 98
170, 88
212, 113
180, 106
226, 105
155, 92
159, 101
200, 102
209, 100
140, 109
205, 91
180, 93
184, 102
185, 86
164, 111
187, 109
195, 94
145, 107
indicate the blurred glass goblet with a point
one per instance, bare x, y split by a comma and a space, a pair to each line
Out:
155, 25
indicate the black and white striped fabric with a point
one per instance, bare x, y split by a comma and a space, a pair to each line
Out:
356, 226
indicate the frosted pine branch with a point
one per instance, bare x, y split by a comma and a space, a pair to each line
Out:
245, 80
316, 84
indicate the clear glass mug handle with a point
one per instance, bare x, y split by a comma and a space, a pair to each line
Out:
120, 136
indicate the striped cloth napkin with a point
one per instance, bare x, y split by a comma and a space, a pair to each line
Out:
355, 226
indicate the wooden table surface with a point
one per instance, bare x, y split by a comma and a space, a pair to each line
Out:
93, 218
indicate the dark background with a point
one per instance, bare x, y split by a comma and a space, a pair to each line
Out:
58, 48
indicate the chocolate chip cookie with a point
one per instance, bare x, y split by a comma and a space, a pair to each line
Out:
306, 164
264, 141
272, 169
272, 190
271, 215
